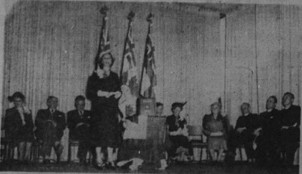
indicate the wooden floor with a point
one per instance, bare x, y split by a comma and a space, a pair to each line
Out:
175, 168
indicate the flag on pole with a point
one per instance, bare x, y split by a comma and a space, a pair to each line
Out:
129, 78
129, 70
104, 45
148, 79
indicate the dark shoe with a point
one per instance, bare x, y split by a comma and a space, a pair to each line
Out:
98, 166
26, 162
83, 162
58, 159
110, 166
46, 161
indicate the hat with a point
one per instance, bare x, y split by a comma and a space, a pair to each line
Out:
178, 104
16, 95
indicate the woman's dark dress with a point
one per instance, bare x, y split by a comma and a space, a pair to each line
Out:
212, 125
15, 131
105, 127
174, 123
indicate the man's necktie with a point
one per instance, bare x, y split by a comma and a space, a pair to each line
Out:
81, 114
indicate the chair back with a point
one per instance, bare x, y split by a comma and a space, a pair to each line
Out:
195, 130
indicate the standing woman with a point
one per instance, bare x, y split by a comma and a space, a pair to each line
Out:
103, 90
215, 127
19, 126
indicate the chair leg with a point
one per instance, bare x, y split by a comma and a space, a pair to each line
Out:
240, 153
69, 153
200, 155
4, 153
35, 153
89, 158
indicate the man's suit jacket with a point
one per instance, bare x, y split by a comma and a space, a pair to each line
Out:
74, 118
44, 116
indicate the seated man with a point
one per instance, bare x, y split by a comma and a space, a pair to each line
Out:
50, 124
290, 127
177, 131
268, 138
159, 109
78, 122
247, 129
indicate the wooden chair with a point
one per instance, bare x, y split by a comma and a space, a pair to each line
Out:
197, 140
8, 152
35, 151
5, 150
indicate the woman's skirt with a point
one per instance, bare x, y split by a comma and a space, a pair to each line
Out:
106, 130
217, 143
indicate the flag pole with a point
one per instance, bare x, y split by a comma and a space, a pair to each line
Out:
149, 20
130, 18
103, 11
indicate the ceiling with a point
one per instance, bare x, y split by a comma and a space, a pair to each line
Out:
216, 7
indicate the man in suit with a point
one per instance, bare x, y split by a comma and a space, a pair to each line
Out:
290, 128
50, 124
247, 129
267, 150
78, 122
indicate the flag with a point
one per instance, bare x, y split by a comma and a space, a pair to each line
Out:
148, 79
129, 79
129, 70
104, 45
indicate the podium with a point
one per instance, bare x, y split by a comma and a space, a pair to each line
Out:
149, 144
145, 139
147, 106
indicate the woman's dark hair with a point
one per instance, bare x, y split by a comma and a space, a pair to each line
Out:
99, 60
16, 95
177, 105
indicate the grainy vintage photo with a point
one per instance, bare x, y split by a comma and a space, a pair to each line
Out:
150, 87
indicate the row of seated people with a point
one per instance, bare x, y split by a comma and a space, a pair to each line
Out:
49, 128
270, 133
271, 137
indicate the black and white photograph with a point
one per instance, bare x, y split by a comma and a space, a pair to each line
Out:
151, 86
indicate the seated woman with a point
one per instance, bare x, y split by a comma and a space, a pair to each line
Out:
177, 130
18, 127
215, 127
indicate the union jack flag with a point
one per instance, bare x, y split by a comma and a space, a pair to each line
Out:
148, 81
104, 45
129, 70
